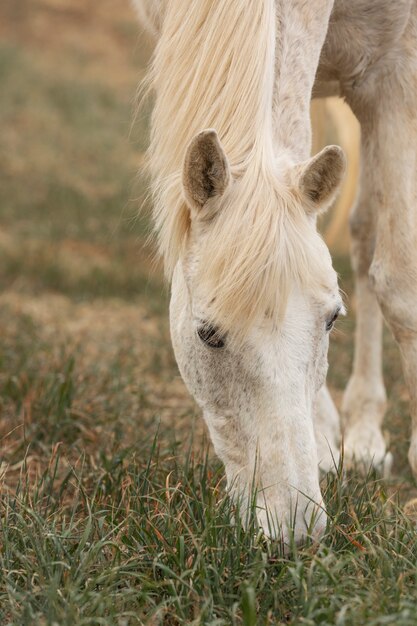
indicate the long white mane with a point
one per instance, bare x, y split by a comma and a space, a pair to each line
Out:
214, 68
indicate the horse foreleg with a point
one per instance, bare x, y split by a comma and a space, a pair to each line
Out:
389, 129
393, 272
364, 401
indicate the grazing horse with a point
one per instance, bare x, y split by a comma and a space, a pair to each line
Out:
254, 294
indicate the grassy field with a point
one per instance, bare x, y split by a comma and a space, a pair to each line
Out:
113, 509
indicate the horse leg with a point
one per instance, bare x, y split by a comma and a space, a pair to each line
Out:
393, 272
364, 401
389, 127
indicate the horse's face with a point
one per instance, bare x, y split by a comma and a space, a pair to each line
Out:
257, 391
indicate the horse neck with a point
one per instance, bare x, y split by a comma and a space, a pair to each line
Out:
301, 29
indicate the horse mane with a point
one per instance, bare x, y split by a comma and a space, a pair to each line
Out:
213, 67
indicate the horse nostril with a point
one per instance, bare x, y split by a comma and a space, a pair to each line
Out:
210, 336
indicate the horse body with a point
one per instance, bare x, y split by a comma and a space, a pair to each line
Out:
363, 38
253, 291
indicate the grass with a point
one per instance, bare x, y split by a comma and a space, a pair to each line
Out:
148, 538
113, 507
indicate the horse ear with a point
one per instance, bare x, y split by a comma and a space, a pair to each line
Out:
320, 177
206, 171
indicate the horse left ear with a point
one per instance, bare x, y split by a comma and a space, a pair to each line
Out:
206, 171
320, 177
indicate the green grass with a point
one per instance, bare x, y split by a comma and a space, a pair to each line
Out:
149, 538
113, 508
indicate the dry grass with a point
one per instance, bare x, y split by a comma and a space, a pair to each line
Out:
76, 282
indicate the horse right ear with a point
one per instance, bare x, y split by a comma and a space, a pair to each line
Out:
206, 171
320, 177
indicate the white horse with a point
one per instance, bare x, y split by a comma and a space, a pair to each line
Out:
254, 294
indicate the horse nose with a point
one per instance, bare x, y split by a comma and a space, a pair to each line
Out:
304, 529
319, 527
302, 535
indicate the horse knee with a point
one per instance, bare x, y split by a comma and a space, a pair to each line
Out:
362, 240
397, 297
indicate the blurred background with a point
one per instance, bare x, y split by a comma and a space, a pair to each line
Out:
85, 357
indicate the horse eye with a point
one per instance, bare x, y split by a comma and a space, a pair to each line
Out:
209, 335
330, 322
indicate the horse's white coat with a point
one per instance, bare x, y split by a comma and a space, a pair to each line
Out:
258, 401
259, 394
